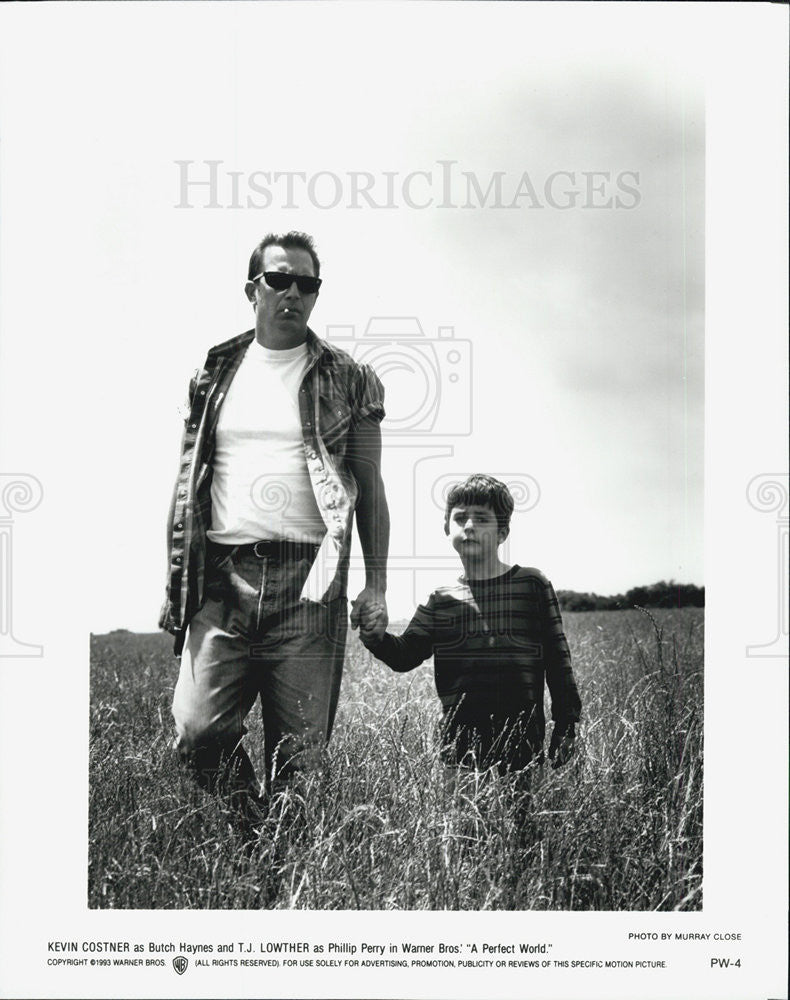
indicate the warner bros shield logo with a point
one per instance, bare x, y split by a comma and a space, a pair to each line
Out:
180, 964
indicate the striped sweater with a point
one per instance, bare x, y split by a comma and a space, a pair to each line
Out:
494, 643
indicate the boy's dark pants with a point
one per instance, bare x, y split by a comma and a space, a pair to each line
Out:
507, 746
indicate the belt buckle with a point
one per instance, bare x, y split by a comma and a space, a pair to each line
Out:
266, 548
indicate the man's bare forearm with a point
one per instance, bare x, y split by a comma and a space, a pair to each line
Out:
373, 527
373, 519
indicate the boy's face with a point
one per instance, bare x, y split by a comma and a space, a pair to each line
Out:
474, 532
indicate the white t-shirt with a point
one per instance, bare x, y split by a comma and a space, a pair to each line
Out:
261, 487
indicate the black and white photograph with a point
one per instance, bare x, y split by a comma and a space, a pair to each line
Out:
394, 397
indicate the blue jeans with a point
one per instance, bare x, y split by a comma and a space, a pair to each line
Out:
254, 637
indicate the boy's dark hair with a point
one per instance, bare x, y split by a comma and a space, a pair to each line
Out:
483, 490
293, 240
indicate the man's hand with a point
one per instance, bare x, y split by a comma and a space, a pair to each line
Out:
370, 604
373, 624
562, 743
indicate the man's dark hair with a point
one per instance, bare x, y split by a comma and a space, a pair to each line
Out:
293, 240
483, 490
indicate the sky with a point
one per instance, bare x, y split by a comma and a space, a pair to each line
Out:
535, 214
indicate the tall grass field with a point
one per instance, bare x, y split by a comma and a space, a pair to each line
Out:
384, 824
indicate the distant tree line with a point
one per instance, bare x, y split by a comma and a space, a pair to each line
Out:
664, 594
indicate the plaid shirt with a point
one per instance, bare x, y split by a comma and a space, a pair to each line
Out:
335, 394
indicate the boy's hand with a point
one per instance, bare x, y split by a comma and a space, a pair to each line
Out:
372, 623
366, 599
562, 743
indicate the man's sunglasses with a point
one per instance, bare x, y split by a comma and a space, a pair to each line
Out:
280, 280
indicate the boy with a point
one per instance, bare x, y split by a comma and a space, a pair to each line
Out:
494, 637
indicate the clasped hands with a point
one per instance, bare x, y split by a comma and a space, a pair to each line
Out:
369, 614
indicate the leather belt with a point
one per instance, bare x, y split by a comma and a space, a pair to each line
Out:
270, 548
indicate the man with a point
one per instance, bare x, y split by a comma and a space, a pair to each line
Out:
282, 445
